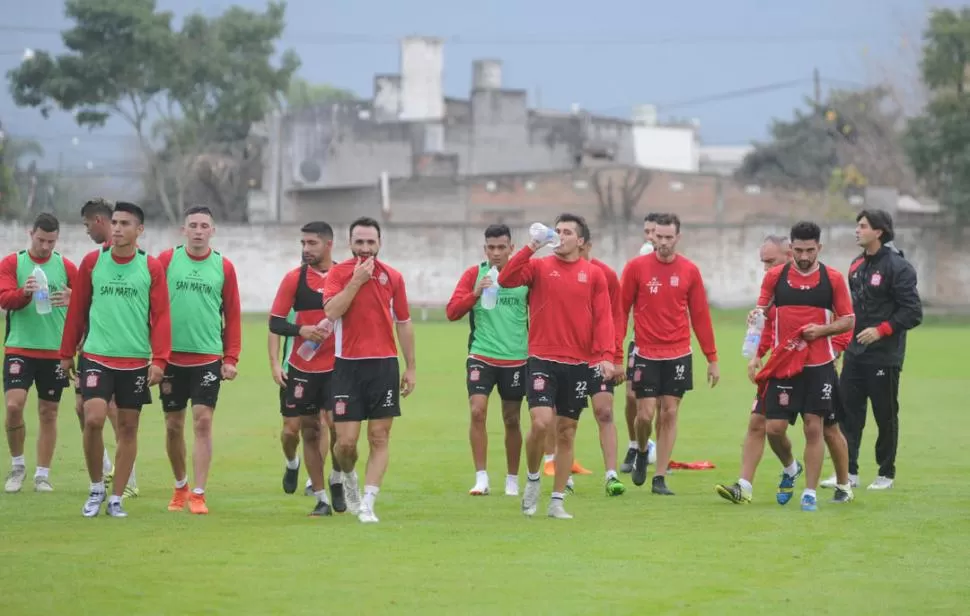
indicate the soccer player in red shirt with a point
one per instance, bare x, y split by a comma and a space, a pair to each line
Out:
121, 302
367, 301
206, 342
666, 293
649, 226
570, 330
308, 383
811, 301
32, 347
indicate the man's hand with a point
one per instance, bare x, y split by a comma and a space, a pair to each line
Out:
30, 286
155, 374
753, 314
407, 382
363, 271
67, 365
813, 332
229, 371
279, 377
713, 374
605, 369
312, 332
619, 374
868, 336
61, 298
482, 284
754, 367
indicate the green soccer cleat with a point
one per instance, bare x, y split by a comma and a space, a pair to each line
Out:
614, 487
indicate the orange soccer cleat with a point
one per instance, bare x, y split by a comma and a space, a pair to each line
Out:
197, 504
178, 498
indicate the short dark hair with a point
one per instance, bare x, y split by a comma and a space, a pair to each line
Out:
318, 227
580, 223
98, 206
199, 209
131, 208
806, 231
498, 230
47, 223
663, 220
365, 221
879, 220
652, 217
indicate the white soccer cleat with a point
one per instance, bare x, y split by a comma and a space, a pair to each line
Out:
480, 489
881, 483
92, 506
42, 484
366, 515
15, 479
352, 493
511, 486
530, 501
557, 510
831, 483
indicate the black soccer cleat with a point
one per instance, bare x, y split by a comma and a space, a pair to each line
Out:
660, 486
337, 496
639, 474
291, 477
628, 461
322, 509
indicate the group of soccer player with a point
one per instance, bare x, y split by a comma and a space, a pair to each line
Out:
131, 321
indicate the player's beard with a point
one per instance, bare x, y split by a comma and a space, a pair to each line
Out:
360, 255
312, 260
805, 264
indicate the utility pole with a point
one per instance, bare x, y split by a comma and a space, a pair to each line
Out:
818, 87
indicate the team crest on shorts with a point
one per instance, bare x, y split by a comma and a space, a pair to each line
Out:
474, 375
637, 374
14, 368
298, 391
166, 387
538, 383
340, 407
783, 398
91, 381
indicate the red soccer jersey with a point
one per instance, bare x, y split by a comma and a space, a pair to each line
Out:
569, 308
366, 330
840, 342
666, 299
231, 310
159, 317
12, 298
286, 295
788, 320
616, 306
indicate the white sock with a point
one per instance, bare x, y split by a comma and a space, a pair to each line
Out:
846, 488
481, 477
569, 482
558, 496
18, 461
514, 478
309, 482
611, 474
198, 490
114, 499
42, 473
807, 492
293, 464
632, 445
370, 495
106, 462
792, 470
746, 486
336, 477
97, 486
321, 496
181, 483
533, 476
549, 457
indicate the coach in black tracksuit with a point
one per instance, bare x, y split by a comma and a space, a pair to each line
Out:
886, 305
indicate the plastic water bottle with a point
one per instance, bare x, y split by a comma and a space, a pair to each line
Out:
541, 233
42, 296
646, 249
309, 348
490, 294
753, 338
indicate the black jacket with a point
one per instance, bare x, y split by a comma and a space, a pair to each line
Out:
883, 288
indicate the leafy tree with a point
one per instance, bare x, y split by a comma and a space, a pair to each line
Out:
180, 91
302, 94
937, 142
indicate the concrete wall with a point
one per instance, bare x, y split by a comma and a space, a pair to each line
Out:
433, 258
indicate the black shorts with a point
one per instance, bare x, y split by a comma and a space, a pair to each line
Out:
596, 383
365, 389
306, 393
198, 383
812, 391
630, 356
129, 388
837, 409
758, 407
564, 387
653, 378
21, 372
481, 378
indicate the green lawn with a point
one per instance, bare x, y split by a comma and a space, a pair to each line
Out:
439, 551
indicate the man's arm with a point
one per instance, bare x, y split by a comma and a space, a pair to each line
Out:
282, 304
12, 296
700, 316
405, 335
341, 288
165, 258
619, 317
160, 315
629, 282
519, 271
604, 339
464, 297
767, 336
767, 294
232, 313
274, 342
76, 321
909, 308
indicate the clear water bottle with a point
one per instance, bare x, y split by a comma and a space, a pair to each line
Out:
541, 233
490, 294
646, 249
753, 338
42, 296
309, 348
